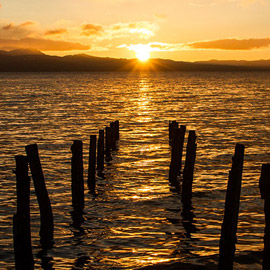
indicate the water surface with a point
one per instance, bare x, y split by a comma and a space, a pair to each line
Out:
135, 220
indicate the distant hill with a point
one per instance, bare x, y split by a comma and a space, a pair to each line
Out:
24, 60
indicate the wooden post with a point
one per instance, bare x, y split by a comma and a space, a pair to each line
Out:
180, 144
117, 130
21, 220
113, 136
77, 183
174, 158
229, 225
100, 151
46, 215
92, 164
265, 194
189, 169
108, 144
172, 126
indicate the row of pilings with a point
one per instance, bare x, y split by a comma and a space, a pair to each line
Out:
182, 181
99, 152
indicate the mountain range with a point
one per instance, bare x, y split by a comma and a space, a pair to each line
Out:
25, 60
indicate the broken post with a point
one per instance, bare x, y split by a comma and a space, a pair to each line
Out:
265, 194
92, 164
46, 215
77, 183
100, 151
21, 220
189, 169
229, 225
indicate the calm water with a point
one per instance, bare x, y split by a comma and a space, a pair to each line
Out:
135, 220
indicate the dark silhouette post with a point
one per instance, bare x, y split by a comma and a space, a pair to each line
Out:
46, 215
174, 157
77, 183
180, 144
108, 144
265, 194
100, 151
189, 169
229, 225
117, 130
92, 164
21, 220
113, 135
172, 126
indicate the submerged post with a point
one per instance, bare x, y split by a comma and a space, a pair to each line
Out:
264, 185
46, 215
77, 183
21, 220
189, 169
229, 225
100, 151
92, 164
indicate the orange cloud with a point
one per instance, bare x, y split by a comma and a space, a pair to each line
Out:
41, 44
92, 29
143, 29
232, 44
56, 32
11, 26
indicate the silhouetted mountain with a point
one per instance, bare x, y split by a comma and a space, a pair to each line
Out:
30, 60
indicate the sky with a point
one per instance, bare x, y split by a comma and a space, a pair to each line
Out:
184, 30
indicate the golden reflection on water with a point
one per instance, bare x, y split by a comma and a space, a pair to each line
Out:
135, 219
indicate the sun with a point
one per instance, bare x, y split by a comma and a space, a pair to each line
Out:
142, 52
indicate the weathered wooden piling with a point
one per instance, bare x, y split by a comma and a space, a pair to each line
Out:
77, 182
113, 136
117, 125
100, 151
229, 225
21, 220
172, 126
174, 157
91, 181
189, 169
264, 185
46, 215
108, 146
180, 145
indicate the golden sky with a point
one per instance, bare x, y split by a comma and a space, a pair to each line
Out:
186, 30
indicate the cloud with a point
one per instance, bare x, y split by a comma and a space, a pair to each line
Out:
92, 29
154, 47
41, 44
0, 6
12, 26
232, 44
56, 32
22, 30
143, 29
223, 44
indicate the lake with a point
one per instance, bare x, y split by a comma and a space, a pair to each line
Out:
135, 219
